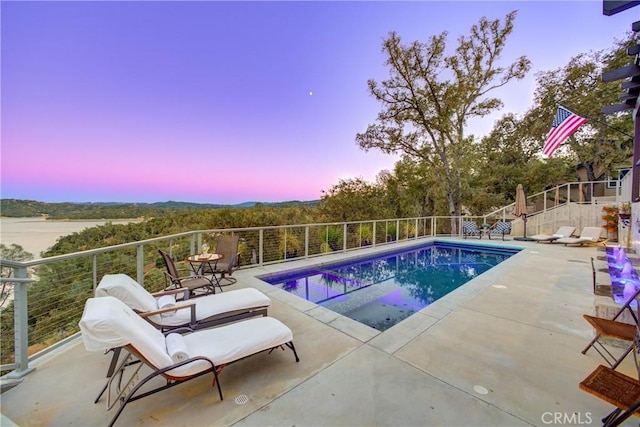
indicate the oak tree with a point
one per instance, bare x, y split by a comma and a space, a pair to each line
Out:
430, 96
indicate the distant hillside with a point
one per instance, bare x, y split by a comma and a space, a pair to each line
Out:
115, 210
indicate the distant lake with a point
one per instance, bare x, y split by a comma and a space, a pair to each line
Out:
36, 235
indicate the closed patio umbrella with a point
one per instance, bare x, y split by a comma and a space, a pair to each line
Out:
520, 209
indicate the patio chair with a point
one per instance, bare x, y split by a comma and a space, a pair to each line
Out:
616, 388
589, 236
470, 228
107, 322
500, 228
612, 328
193, 282
227, 246
565, 231
163, 311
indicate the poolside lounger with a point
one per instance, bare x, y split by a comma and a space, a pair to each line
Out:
589, 235
165, 313
107, 323
562, 232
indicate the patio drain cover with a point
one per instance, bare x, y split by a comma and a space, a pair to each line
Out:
480, 390
242, 399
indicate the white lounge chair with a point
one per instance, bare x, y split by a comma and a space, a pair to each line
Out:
589, 236
107, 323
562, 232
165, 313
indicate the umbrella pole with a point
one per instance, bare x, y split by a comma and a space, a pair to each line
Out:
524, 237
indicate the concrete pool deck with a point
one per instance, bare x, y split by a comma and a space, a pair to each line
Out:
503, 349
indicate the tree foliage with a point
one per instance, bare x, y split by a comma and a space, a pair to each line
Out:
353, 200
429, 98
12, 252
604, 142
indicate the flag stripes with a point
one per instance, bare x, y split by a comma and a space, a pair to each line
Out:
565, 123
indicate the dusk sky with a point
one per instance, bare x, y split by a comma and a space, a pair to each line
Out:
227, 102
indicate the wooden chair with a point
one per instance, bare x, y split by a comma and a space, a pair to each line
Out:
611, 328
617, 388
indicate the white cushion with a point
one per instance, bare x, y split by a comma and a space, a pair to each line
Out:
126, 290
108, 323
235, 341
212, 305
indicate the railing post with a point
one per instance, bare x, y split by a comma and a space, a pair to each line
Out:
20, 324
261, 247
374, 234
416, 230
306, 241
192, 244
95, 271
140, 264
344, 237
397, 230
285, 244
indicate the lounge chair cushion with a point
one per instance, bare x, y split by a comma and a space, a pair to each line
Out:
127, 290
588, 235
213, 305
107, 322
138, 298
565, 231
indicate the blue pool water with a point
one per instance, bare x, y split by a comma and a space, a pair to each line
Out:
384, 289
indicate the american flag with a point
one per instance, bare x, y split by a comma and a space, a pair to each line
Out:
565, 123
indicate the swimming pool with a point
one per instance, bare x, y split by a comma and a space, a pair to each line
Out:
383, 289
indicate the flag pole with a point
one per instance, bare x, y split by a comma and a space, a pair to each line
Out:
597, 121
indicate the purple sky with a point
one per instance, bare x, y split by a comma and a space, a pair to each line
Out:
211, 101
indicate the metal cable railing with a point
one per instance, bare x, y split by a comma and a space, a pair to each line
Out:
48, 294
